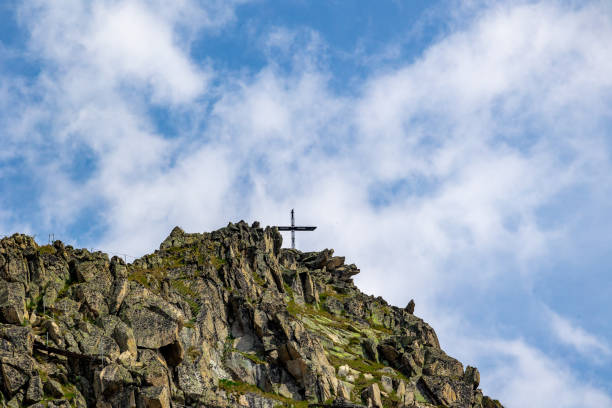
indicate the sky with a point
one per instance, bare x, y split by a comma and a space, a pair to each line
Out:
459, 152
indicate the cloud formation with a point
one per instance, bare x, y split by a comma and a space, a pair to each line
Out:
527, 377
575, 336
432, 173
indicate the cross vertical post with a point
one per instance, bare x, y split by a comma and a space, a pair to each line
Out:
292, 229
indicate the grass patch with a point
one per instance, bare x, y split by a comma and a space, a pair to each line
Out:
149, 278
361, 365
217, 262
64, 290
47, 250
235, 387
188, 294
33, 304
293, 308
258, 279
418, 397
253, 357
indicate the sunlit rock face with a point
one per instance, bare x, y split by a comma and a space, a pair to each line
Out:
220, 319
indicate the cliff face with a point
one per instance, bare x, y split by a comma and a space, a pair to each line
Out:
221, 319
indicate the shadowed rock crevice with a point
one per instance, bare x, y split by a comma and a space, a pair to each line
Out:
220, 319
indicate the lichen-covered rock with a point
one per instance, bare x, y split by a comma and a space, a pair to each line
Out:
16, 369
154, 397
371, 395
220, 319
155, 322
12, 302
111, 379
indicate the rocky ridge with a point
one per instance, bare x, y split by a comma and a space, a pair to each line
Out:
220, 319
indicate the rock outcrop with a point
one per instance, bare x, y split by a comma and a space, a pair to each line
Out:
220, 319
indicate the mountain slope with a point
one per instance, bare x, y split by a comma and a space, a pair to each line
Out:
220, 319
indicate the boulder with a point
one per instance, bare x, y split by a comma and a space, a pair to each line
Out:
310, 294
472, 376
389, 353
124, 337
54, 331
387, 383
437, 363
370, 348
53, 388
120, 285
16, 369
372, 394
154, 371
155, 322
12, 302
15, 268
35, 390
441, 388
410, 307
16, 338
335, 262
111, 379
175, 239
92, 299
154, 397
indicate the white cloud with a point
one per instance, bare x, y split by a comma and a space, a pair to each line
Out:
525, 377
129, 42
575, 336
112, 44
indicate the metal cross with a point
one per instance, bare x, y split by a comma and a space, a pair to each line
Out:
293, 228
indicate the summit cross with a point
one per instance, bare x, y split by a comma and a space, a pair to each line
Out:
293, 228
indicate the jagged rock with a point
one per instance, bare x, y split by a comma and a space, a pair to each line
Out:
175, 239
15, 402
15, 369
335, 262
372, 394
490, 403
124, 336
387, 383
310, 294
341, 402
35, 390
472, 376
154, 370
16, 338
345, 390
154, 397
92, 299
405, 394
12, 302
53, 388
437, 363
408, 366
410, 307
155, 322
111, 379
220, 319
389, 353
370, 347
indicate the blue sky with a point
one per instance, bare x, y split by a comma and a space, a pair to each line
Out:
458, 152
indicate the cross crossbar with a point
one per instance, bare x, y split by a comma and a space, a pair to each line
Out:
297, 228
293, 228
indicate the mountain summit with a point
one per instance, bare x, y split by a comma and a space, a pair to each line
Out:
220, 319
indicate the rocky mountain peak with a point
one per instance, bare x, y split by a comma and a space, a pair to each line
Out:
220, 319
